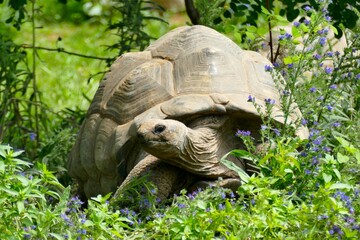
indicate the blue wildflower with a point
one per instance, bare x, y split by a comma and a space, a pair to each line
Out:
242, 133
318, 140
307, 22
336, 124
288, 36
251, 98
276, 131
357, 76
317, 56
27, 236
333, 86
269, 101
329, 54
291, 65
268, 68
321, 31
263, 127
32, 136
329, 107
181, 205
307, 8
296, 24
286, 92
322, 41
328, 70
313, 89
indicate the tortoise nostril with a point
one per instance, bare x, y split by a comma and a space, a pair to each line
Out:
159, 128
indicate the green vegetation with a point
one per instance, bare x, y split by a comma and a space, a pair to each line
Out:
306, 189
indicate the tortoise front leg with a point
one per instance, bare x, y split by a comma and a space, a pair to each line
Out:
168, 179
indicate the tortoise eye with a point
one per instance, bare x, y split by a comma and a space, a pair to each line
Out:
159, 128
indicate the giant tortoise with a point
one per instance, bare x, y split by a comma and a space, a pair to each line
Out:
173, 110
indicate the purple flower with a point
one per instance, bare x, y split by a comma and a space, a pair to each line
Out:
296, 24
328, 18
321, 31
304, 121
27, 236
269, 101
281, 37
317, 56
320, 98
329, 107
181, 205
263, 127
276, 131
322, 41
328, 70
307, 172
318, 140
313, 89
288, 35
32, 136
268, 68
291, 65
307, 22
251, 98
242, 133
286, 92
307, 8
333, 86
276, 65
221, 206
329, 54
357, 76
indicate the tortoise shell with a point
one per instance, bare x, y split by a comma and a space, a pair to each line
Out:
189, 72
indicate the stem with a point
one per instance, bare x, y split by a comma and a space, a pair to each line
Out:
270, 34
67, 52
192, 12
291, 84
334, 77
36, 93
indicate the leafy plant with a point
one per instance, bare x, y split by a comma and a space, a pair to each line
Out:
129, 24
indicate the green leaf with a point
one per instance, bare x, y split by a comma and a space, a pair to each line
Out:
201, 204
288, 60
337, 173
20, 206
250, 35
340, 186
251, 29
334, 29
265, 11
9, 191
241, 172
262, 31
342, 158
327, 178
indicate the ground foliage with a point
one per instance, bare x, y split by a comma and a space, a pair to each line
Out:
307, 188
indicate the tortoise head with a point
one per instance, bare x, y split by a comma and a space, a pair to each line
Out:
163, 138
